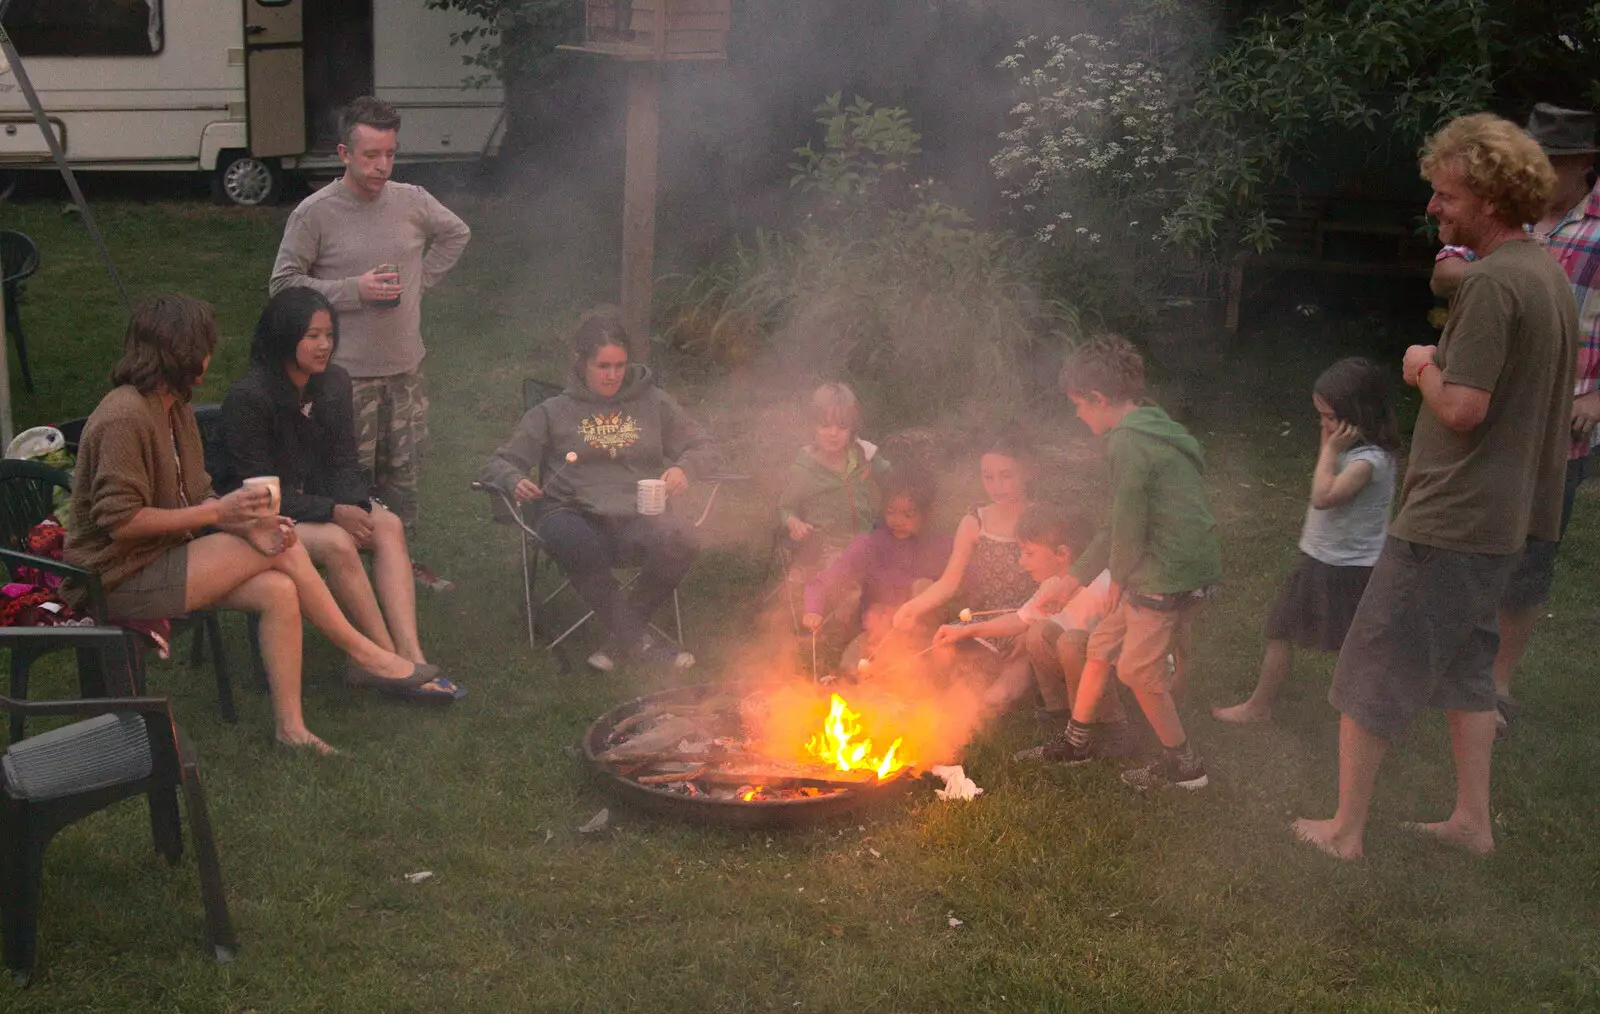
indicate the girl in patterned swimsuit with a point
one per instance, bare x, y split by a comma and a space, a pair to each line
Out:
984, 564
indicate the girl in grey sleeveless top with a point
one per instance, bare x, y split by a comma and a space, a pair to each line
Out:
1347, 520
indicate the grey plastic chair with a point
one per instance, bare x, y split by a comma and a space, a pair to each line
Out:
117, 749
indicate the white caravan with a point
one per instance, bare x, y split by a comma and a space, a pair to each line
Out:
246, 90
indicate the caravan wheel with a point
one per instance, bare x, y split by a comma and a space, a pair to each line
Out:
246, 180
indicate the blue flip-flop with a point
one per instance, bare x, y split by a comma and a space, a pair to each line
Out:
411, 688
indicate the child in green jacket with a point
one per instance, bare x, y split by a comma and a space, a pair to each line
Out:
1162, 550
832, 493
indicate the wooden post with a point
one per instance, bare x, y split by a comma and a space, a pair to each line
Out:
639, 202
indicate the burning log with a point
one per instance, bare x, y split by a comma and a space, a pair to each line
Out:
690, 773
764, 775
718, 747
654, 741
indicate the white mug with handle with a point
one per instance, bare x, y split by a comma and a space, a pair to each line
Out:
271, 485
652, 496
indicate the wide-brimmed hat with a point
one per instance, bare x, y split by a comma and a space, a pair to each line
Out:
1563, 131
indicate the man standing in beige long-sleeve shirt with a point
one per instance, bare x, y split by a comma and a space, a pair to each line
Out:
372, 247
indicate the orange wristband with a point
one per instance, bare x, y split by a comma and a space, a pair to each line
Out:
1424, 366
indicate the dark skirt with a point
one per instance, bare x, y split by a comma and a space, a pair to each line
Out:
1316, 604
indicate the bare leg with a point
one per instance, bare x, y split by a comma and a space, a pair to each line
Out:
1071, 657
272, 595
332, 549
1515, 630
1472, 743
1092, 685
1162, 713
219, 563
397, 586
318, 606
1360, 755
1276, 661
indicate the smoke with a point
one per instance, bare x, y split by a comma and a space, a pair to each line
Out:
963, 352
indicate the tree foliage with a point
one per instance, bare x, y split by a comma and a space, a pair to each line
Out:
1094, 115
514, 37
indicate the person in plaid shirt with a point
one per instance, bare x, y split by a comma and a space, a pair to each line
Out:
1570, 230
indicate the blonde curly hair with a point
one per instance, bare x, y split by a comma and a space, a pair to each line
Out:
1502, 165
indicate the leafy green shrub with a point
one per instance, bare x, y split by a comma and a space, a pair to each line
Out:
913, 304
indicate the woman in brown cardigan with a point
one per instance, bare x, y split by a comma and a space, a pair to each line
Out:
141, 500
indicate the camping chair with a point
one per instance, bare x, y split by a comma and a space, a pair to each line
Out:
27, 490
19, 259
532, 549
118, 748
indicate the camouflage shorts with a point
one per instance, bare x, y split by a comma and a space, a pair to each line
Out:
391, 415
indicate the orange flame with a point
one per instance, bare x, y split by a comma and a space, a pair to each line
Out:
842, 745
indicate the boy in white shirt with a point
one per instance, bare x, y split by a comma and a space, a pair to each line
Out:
1056, 622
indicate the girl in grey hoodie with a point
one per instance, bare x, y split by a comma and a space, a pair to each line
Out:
575, 461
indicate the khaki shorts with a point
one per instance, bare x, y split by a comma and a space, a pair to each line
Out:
1138, 641
155, 592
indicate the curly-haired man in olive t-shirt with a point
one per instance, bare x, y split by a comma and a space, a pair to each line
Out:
1487, 470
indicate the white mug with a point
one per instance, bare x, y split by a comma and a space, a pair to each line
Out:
270, 483
652, 496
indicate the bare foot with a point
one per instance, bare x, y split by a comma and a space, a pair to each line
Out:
1323, 835
266, 536
1479, 841
306, 741
1243, 714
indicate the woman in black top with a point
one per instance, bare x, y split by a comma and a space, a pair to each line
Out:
290, 415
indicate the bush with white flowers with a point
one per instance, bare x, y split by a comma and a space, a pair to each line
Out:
1091, 149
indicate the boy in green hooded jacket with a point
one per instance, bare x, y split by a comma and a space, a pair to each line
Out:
1162, 550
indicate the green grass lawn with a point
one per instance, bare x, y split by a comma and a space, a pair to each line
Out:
1073, 893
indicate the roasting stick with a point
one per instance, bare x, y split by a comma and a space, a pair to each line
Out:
866, 663
965, 616
831, 613
571, 459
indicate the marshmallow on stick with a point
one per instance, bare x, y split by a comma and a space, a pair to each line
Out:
966, 615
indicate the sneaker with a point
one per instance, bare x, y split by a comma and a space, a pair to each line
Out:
1106, 742
1058, 749
604, 658
1164, 770
428, 579
666, 656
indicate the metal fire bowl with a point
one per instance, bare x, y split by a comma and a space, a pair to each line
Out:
761, 813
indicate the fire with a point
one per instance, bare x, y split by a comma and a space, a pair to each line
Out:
842, 745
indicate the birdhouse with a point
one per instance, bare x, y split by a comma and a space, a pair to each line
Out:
656, 30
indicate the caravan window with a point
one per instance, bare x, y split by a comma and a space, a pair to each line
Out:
85, 27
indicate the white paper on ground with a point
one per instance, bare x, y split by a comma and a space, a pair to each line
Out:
956, 783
